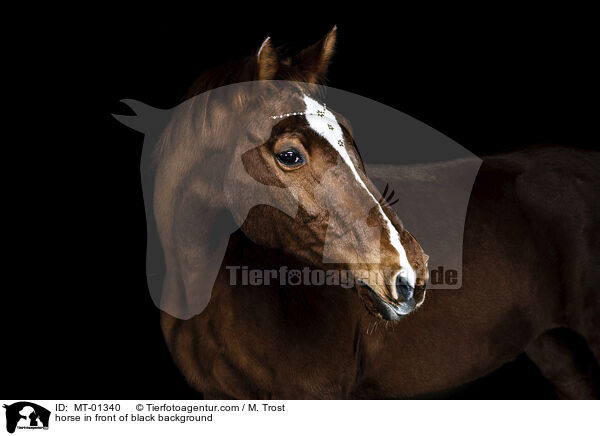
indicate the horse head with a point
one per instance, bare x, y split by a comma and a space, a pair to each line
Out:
286, 168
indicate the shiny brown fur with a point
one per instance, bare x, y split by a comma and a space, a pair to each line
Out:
530, 272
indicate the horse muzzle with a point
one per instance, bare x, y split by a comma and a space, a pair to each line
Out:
408, 300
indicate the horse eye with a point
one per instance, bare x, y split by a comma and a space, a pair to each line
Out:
290, 158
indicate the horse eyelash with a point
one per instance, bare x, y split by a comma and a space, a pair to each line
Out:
389, 197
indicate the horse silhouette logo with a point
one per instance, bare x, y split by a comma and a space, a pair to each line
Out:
26, 415
211, 146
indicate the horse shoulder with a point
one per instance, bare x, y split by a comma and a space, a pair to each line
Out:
558, 193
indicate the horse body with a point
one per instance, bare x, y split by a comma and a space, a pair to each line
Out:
530, 255
319, 342
513, 284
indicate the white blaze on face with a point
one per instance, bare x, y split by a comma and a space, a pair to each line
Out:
322, 121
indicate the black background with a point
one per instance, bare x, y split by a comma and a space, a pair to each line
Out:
78, 320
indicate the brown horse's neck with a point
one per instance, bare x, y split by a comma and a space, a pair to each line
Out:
251, 334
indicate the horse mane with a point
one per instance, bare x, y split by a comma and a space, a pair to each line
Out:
228, 73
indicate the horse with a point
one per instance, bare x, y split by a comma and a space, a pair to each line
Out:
530, 252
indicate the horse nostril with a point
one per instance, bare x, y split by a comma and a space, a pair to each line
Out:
403, 288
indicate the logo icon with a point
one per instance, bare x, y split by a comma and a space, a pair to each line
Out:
26, 415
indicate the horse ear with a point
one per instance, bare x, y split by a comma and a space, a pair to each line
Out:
314, 60
267, 60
